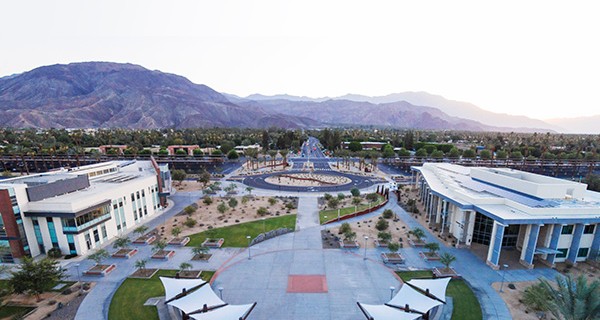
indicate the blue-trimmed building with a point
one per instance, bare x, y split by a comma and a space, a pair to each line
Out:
545, 219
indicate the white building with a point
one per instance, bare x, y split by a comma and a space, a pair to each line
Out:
79, 209
545, 219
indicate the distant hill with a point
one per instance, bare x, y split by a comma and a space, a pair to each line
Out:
587, 125
102, 94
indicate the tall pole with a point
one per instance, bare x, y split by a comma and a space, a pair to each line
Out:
249, 254
503, 275
79, 278
365, 257
392, 292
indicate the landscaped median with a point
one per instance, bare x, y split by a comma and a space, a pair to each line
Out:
465, 304
128, 301
331, 215
235, 235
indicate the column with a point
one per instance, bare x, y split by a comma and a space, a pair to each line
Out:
495, 246
554, 243
594, 251
527, 254
575, 243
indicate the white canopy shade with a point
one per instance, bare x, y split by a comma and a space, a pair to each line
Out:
437, 287
383, 312
197, 299
173, 286
414, 299
229, 312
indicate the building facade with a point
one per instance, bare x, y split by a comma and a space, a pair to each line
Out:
79, 209
545, 219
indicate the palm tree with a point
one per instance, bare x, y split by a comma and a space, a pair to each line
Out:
176, 231
140, 230
249, 189
200, 251
185, 266
446, 259
159, 246
573, 299
141, 264
98, 256
432, 247
121, 243
418, 233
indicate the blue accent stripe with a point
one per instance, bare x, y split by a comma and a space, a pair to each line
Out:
531, 243
575, 242
596, 244
497, 244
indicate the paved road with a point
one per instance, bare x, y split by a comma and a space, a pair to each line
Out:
360, 182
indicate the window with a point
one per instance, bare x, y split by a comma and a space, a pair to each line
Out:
563, 253
143, 194
88, 241
568, 229
96, 236
140, 212
137, 194
104, 235
583, 252
589, 229
132, 197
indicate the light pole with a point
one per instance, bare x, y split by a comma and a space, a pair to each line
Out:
79, 278
338, 214
505, 266
264, 229
365, 257
325, 218
249, 255
392, 292
221, 292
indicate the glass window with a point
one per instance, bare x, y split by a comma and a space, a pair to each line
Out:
103, 229
88, 241
96, 236
589, 229
568, 229
137, 194
563, 253
583, 252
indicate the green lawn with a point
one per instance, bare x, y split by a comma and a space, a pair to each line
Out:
333, 213
466, 306
235, 235
14, 312
128, 301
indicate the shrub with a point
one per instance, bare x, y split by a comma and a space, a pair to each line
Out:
54, 253
382, 224
388, 213
355, 192
341, 196
393, 246
385, 236
245, 199
372, 197
289, 206
345, 227
189, 222
272, 201
232, 203
327, 196
189, 210
349, 236
356, 201
222, 207
262, 211
207, 200
333, 203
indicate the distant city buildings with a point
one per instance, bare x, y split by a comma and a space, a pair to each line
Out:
366, 145
79, 209
241, 149
544, 219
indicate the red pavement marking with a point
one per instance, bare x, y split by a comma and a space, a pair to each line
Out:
307, 284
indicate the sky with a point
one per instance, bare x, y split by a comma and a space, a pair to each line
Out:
535, 58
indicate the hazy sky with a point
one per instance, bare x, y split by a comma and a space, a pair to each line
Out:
537, 58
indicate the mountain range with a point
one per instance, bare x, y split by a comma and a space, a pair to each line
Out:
106, 95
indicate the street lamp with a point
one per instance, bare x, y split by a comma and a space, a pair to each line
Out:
264, 229
503, 275
249, 255
392, 292
79, 278
221, 292
365, 257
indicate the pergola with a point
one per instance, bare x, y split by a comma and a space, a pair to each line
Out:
195, 299
414, 300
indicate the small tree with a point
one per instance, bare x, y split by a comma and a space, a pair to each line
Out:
382, 224
232, 203
327, 197
178, 175
446, 259
341, 196
350, 236
121, 243
189, 210
207, 200
333, 203
249, 190
204, 178
185, 266
418, 233
384, 236
222, 207
36, 277
159, 246
393, 247
262, 211
355, 192
98, 256
176, 231
388, 213
372, 197
272, 201
433, 247
140, 230
232, 155
189, 222
345, 227
141, 264
245, 199
200, 251
356, 201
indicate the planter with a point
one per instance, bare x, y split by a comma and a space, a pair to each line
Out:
125, 253
143, 273
349, 244
189, 274
443, 272
100, 270
430, 256
204, 257
163, 254
179, 241
416, 244
381, 243
145, 239
213, 243
392, 258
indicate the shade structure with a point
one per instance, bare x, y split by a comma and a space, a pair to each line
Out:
229, 312
196, 300
414, 299
174, 287
437, 287
383, 312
